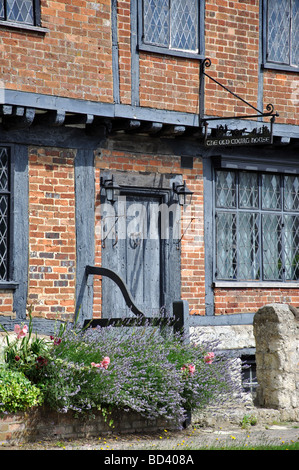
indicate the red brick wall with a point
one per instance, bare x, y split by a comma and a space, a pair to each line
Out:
169, 83
241, 300
6, 303
282, 90
192, 248
52, 243
124, 50
232, 43
73, 59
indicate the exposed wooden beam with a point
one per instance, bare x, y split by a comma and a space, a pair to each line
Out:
20, 118
51, 118
125, 125
173, 130
76, 119
151, 127
99, 127
5, 109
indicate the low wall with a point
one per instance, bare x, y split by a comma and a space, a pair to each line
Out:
44, 424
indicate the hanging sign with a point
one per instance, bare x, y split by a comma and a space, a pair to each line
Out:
222, 136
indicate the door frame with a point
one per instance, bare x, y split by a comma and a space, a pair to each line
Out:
170, 257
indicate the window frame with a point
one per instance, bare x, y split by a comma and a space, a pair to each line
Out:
36, 27
9, 283
267, 64
261, 281
142, 46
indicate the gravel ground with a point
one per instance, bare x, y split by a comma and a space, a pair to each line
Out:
189, 439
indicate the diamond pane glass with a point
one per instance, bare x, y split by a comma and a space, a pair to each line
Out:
272, 247
225, 189
1, 9
20, 11
3, 169
156, 22
295, 33
291, 193
279, 31
291, 247
226, 248
271, 192
184, 24
3, 236
248, 262
252, 241
248, 190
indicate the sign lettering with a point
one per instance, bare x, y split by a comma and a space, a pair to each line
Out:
225, 137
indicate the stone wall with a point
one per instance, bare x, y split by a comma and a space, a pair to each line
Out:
276, 331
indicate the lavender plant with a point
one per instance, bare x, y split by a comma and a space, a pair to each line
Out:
134, 369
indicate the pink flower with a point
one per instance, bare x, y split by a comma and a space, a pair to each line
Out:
21, 332
209, 358
190, 368
93, 364
103, 365
105, 362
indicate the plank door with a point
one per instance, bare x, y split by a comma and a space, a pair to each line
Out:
136, 252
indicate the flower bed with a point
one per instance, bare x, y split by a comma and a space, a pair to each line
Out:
103, 373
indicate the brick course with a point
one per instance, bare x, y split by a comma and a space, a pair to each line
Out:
242, 300
52, 241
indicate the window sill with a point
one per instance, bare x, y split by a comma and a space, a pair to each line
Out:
8, 285
257, 284
280, 67
170, 52
25, 27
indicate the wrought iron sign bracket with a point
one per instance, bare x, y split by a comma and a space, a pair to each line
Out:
269, 113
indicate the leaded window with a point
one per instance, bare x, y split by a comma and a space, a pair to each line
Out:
171, 25
257, 226
20, 11
282, 32
5, 201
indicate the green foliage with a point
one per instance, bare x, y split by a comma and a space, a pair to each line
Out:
17, 393
248, 420
26, 352
153, 374
129, 368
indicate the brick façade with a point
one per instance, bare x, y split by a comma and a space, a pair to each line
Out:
73, 59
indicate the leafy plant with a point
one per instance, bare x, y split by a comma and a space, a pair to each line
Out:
248, 420
17, 393
24, 351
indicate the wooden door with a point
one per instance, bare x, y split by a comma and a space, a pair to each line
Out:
136, 252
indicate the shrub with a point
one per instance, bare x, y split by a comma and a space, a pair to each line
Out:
17, 393
156, 375
143, 369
